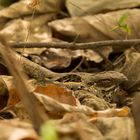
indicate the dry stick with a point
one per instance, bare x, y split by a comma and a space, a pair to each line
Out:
116, 44
32, 105
82, 60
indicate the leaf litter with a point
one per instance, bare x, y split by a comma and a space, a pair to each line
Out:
71, 94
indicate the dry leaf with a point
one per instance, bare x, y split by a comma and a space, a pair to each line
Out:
62, 58
16, 130
96, 28
56, 58
77, 124
117, 128
13, 93
90, 7
56, 108
58, 93
121, 112
22, 8
131, 69
38, 30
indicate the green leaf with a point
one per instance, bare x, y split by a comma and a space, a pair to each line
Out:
123, 25
49, 132
126, 29
123, 19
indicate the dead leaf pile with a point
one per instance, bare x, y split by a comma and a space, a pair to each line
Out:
69, 93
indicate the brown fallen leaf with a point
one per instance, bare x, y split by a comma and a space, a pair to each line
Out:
56, 58
131, 69
17, 130
91, 7
75, 124
13, 96
38, 30
54, 91
58, 93
56, 108
22, 8
117, 128
121, 112
96, 28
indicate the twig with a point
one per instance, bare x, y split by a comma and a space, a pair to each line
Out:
82, 60
107, 61
116, 44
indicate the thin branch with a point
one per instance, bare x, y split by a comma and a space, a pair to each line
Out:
116, 44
